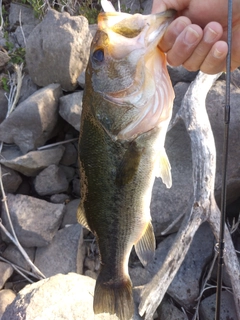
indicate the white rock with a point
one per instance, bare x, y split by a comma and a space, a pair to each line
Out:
61, 297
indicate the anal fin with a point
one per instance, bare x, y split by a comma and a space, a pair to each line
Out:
164, 168
145, 247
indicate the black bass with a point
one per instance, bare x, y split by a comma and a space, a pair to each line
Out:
127, 106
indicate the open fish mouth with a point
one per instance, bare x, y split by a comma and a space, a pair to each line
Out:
144, 30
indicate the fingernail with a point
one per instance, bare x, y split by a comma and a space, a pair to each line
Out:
210, 35
218, 54
180, 26
191, 36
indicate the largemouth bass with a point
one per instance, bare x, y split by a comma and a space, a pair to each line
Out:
127, 106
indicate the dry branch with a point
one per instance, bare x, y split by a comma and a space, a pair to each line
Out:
193, 113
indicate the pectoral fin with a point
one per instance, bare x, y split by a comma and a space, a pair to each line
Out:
164, 168
145, 247
81, 218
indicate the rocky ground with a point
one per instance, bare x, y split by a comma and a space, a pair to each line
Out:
40, 178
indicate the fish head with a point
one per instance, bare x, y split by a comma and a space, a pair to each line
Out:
121, 64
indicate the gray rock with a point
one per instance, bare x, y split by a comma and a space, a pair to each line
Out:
168, 311
12, 254
91, 274
3, 104
10, 152
57, 50
70, 214
180, 74
34, 161
35, 221
139, 276
60, 297
70, 155
22, 34
147, 5
69, 172
27, 15
185, 286
76, 187
3, 41
33, 121
93, 29
235, 77
64, 254
168, 204
132, 6
6, 297
50, 181
228, 311
6, 271
59, 198
215, 106
70, 108
11, 180
81, 80
27, 88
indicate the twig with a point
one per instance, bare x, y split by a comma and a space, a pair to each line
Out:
173, 224
20, 23
56, 144
15, 88
204, 286
1, 17
20, 268
16, 268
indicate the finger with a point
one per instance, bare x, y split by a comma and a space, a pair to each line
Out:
211, 34
184, 45
172, 32
216, 59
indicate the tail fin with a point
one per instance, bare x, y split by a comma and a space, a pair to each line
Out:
114, 297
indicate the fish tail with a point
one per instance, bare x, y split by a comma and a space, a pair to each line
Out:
114, 297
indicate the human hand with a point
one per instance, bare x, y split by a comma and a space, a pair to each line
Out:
197, 38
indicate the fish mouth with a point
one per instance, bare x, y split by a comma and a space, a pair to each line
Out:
156, 25
135, 32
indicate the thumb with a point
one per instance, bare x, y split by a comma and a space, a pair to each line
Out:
163, 5
158, 6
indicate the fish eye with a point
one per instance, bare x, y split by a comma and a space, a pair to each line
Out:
98, 55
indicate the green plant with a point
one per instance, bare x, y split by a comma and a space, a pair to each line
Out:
4, 84
17, 56
89, 10
38, 6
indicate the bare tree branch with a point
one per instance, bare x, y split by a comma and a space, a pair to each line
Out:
193, 113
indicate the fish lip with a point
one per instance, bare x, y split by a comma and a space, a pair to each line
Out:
170, 13
157, 24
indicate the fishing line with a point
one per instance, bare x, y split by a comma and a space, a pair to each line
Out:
221, 245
